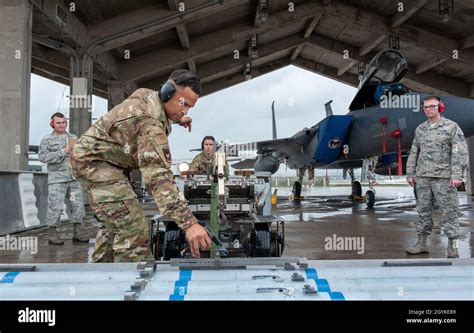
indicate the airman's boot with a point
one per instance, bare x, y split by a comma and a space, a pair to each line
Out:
420, 247
54, 238
76, 237
453, 248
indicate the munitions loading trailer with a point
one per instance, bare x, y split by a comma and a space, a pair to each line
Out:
236, 211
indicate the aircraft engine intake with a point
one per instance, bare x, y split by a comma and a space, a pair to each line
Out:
267, 163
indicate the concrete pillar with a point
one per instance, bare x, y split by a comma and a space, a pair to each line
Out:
15, 73
116, 93
80, 108
470, 171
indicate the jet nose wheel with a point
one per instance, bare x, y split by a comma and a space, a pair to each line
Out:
370, 198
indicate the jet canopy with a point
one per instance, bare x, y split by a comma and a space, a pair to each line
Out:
387, 66
381, 75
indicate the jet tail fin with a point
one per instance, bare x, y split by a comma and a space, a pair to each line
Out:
328, 108
274, 128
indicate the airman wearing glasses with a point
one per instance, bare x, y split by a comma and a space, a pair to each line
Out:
436, 165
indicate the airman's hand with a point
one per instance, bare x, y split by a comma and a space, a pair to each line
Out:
455, 183
198, 237
411, 181
186, 122
68, 150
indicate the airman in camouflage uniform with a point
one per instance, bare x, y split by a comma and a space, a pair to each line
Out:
134, 135
436, 165
54, 151
203, 162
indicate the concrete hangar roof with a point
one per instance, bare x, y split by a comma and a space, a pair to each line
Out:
138, 43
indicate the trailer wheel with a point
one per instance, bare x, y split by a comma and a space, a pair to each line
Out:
261, 244
277, 244
158, 245
173, 242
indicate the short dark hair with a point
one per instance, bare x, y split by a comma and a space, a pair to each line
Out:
431, 97
207, 137
57, 114
186, 78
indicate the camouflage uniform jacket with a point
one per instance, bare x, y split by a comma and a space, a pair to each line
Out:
51, 151
134, 134
201, 163
438, 151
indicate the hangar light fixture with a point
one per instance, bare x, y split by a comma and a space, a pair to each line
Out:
394, 42
262, 10
446, 8
248, 71
253, 47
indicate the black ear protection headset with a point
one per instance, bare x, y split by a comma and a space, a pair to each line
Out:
168, 89
207, 137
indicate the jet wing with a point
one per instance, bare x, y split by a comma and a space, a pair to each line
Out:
345, 164
245, 164
282, 148
286, 145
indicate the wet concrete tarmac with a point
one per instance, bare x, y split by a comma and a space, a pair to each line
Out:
315, 226
326, 225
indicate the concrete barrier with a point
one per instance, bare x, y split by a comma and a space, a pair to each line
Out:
23, 200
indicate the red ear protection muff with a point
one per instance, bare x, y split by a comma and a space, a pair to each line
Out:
441, 107
440, 103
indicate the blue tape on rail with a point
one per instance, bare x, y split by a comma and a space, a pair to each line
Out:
9, 277
181, 286
323, 285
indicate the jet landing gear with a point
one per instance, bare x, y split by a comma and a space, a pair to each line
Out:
357, 187
297, 186
356, 193
370, 198
370, 194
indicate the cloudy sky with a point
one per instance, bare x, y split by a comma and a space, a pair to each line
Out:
241, 113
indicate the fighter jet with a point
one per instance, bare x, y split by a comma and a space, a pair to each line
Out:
376, 133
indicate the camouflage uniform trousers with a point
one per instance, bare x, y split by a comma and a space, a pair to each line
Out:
58, 193
124, 232
430, 190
